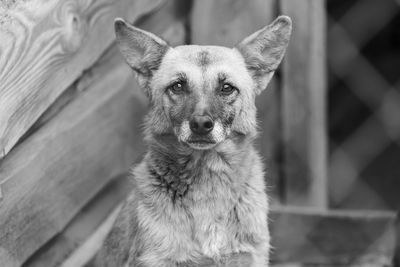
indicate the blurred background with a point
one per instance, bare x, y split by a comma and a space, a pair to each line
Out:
363, 67
70, 116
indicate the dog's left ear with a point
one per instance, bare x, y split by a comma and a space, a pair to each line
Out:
264, 50
142, 50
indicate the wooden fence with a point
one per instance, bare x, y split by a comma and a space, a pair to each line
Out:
70, 116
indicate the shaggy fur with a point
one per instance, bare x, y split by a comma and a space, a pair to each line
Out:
197, 200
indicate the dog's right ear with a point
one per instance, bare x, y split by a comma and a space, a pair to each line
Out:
142, 50
264, 50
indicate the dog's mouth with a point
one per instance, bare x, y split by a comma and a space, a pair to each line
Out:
201, 143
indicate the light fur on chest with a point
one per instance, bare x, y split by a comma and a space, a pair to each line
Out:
224, 211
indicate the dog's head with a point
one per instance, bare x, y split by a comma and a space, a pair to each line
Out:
203, 95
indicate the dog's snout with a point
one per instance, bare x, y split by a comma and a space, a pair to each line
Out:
201, 125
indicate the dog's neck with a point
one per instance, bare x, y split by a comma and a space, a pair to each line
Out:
176, 167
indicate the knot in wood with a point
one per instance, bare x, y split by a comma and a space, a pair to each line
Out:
74, 26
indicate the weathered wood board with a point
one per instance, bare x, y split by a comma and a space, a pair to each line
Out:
44, 47
168, 21
226, 23
82, 226
303, 106
307, 237
48, 178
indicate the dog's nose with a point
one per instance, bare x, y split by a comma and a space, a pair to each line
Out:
201, 125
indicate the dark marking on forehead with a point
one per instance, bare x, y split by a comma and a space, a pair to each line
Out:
204, 58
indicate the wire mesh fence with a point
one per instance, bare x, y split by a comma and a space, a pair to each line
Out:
364, 104
364, 100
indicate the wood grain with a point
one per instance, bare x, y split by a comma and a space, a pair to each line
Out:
306, 237
304, 106
168, 21
44, 47
226, 23
85, 253
48, 178
88, 221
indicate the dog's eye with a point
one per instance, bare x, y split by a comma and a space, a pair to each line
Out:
177, 88
227, 89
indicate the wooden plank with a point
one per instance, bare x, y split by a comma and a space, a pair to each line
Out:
333, 238
303, 106
49, 177
227, 22
83, 256
168, 21
45, 46
81, 228
269, 142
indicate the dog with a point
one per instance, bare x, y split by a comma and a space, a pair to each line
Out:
199, 194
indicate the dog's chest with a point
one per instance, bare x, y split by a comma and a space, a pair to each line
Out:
215, 215
214, 226
215, 221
